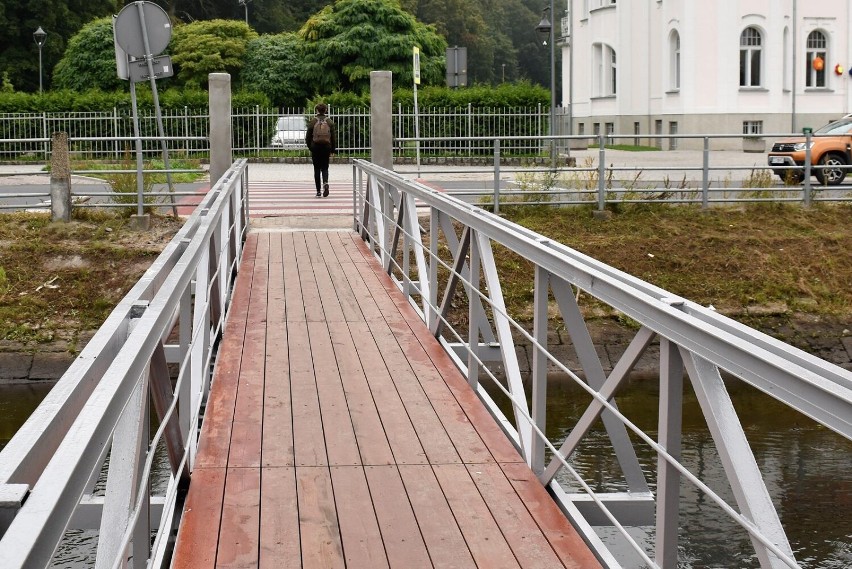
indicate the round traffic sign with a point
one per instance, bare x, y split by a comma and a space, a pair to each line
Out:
129, 30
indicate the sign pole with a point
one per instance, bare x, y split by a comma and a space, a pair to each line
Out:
140, 185
149, 59
416, 110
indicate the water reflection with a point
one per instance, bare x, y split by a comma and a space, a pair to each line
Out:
78, 547
807, 469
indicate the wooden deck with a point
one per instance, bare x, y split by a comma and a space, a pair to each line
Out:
339, 434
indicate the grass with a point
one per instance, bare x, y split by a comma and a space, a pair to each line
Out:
60, 279
128, 162
732, 258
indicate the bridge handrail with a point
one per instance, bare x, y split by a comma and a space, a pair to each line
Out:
692, 337
58, 454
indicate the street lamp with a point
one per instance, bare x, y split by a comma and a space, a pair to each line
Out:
244, 4
545, 28
39, 36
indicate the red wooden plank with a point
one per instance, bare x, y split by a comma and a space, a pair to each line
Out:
319, 529
566, 542
487, 544
350, 269
401, 535
369, 432
435, 440
331, 309
359, 529
308, 441
295, 305
239, 532
337, 277
216, 429
399, 430
277, 449
441, 533
342, 448
500, 447
279, 520
248, 413
466, 440
531, 548
308, 281
199, 525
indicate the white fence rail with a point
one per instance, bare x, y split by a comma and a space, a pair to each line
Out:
695, 343
25, 136
84, 458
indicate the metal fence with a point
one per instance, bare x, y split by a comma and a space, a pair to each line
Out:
23, 136
448, 273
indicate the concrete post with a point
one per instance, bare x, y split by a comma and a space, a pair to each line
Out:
60, 178
221, 155
381, 119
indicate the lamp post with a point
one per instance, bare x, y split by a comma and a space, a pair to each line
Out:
244, 4
39, 36
546, 29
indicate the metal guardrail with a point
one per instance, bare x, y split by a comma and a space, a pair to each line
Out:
94, 425
694, 341
603, 179
106, 134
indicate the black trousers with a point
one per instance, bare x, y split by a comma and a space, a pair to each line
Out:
319, 157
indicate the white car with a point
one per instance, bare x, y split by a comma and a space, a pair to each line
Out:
289, 132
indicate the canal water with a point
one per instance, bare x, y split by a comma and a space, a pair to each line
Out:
807, 468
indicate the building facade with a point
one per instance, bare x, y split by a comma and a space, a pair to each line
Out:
721, 67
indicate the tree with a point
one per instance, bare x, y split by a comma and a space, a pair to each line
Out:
61, 19
89, 61
348, 40
212, 46
274, 67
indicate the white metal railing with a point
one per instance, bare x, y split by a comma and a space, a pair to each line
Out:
694, 341
600, 176
94, 424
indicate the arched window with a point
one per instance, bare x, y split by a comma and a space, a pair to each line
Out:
817, 47
674, 61
604, 71
751, 54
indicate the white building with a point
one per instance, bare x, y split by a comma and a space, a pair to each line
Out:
718, 67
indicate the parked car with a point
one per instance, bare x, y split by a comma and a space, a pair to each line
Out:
290, 132
831, 154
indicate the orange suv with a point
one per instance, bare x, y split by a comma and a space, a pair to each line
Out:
831, 154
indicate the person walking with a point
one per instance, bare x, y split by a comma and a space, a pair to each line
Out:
321, 140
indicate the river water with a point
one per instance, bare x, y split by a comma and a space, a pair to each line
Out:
807, 469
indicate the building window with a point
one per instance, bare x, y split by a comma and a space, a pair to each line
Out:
672, 131
610, 128
581, 128
636, 130
751, 53
817, 48
752, 127
604, 71
658, 129
597, 128
674, 61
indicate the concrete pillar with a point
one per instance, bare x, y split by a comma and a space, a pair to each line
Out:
221, 155
381, 119
60, 178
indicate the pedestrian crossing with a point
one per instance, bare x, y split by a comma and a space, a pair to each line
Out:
281, 197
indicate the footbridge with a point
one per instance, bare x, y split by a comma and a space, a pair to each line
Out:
354, 398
